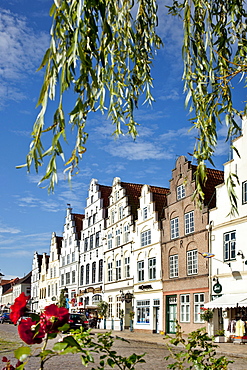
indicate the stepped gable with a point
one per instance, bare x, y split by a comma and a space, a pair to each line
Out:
59, 244
159, 198
39, 256
78, 223
214, 178
105, 193
133, 191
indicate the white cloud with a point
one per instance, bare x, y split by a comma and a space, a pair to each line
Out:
21, 50
7, 229
138, 150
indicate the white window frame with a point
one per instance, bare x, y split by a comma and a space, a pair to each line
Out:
173, 266
143, 312
152, 268
229, 247
118, 269
244, 192
140, 270
127, 267
109, 271
145, 238
109, 240
184, 308
192, 262
118, 237
180, 191
189, 222
174, 228
199, 299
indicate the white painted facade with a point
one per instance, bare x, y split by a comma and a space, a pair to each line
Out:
53, 270
118, 256
91, 247
35, 279
43, 282
228, 242
69, 258
148, 292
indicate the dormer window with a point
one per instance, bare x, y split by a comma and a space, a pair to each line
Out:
180, 191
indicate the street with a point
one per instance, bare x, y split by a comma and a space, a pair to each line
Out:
154, 357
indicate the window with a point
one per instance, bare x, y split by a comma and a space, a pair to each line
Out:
97, 240
120, 212
185, 308
68, 259
109, 271
51, 273
70, 240
192, 265
127, 267
198, 305
118, 307
112, 216
244, 192
140, 270
100, 270
189, 222
118, 237
73, 276
110, 307
143, 311
91, 241
86, 244
145, 238
180, 191
173, 264
230, 246
145, 213
67, 277
87, 273
62, 279
152, 268
93, 272
126, 233
109, 241
54, 271
73, 256
118, 270
82, 275
174, 228
63, 260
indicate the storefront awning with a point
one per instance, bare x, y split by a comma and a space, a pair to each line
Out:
228, 301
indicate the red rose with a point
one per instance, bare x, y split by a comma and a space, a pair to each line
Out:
8, 365
53, 317
19, 307
29, 332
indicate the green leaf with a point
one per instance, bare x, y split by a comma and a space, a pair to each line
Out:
22, 353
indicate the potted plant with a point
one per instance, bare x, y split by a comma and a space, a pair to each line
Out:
131, 315
206, 314
219, 336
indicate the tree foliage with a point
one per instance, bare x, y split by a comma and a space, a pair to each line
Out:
103, 50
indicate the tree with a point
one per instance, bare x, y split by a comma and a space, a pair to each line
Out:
62, 299
104, 51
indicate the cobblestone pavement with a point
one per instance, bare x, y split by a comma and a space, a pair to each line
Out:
151, 344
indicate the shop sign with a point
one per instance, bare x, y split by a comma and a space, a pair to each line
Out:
217, 288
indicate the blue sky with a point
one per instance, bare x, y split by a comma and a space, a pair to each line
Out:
28, 214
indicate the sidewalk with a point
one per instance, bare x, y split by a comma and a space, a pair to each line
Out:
226, 349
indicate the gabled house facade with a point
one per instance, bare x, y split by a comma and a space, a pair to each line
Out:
35, 279
22, 285
43, 282
52, 279
91, 270
147, 290
118, 251
228, 245
69, 258
184, 240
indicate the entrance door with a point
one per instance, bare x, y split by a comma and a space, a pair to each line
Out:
156, 319
171, 313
